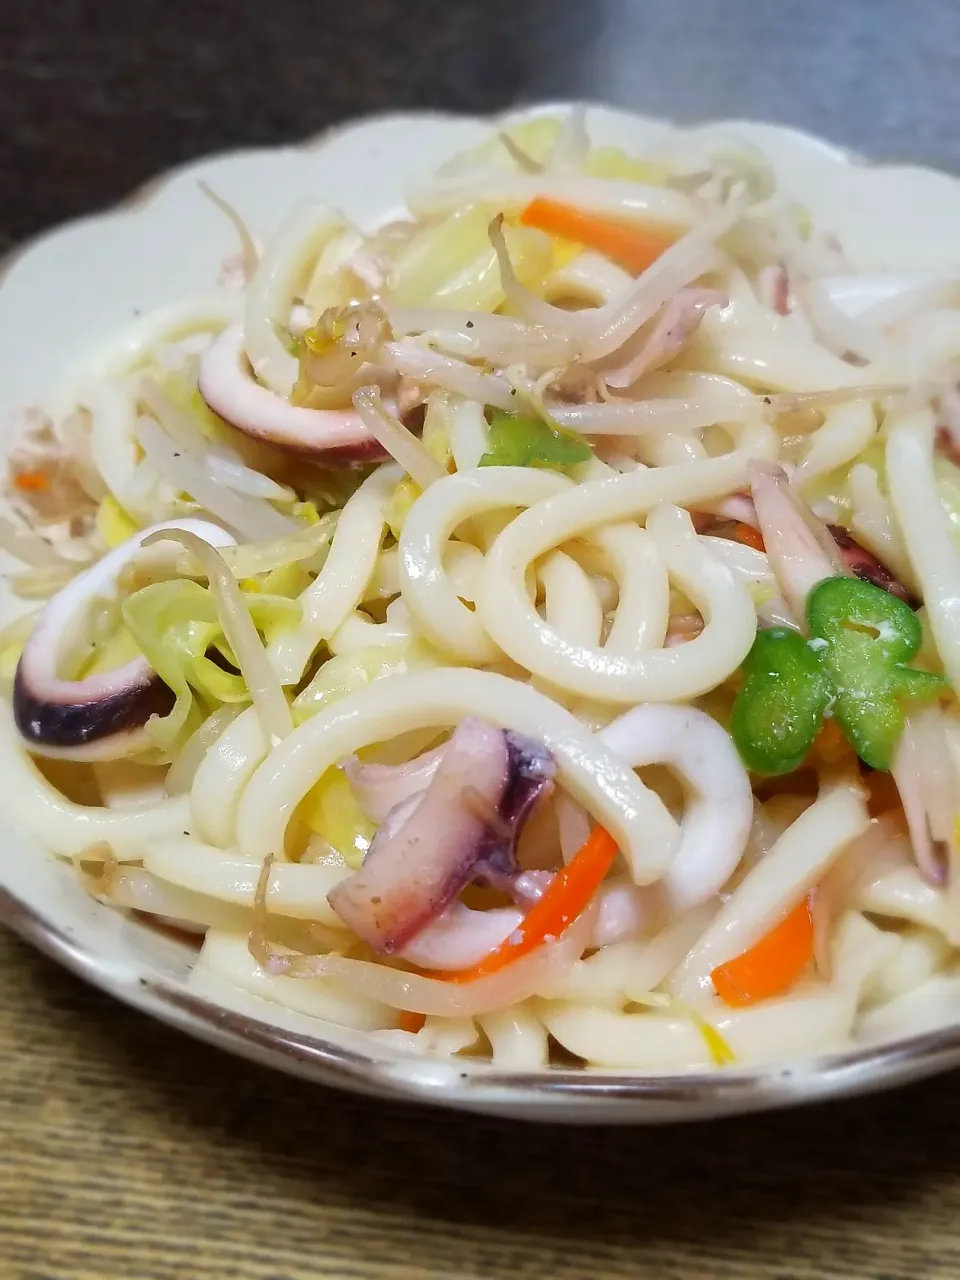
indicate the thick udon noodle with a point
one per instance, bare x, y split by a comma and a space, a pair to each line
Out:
602, 609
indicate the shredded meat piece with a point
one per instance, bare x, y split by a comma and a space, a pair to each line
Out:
775, 289
865, 565
410, 395
665, 336
683, 627
574, 384
44, 482
233, 272
948, 445
706, 521
738, 508
370, 267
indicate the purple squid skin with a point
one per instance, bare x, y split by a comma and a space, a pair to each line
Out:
361, 454
69, 724
531, 772
865, 565
386, 911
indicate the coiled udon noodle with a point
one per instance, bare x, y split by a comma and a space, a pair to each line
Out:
438, 558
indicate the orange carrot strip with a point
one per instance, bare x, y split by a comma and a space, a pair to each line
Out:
830, 744
772, 965
412, 1022
749, 536
568, 895
32, 481
633, 247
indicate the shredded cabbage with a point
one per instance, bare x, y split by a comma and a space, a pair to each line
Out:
184, 394
182, 771
114, 525
290, 580
535, 138
114, 652
159, 618
398, 505
174, 624
803, 219
331, 810
612, 162
9, 657
435, 436
833, 490
12, 639
333, 283
928, 656
347, 672
761, 592
306, 547
452, 263
307, 512
239, 629
179, 387
948, 486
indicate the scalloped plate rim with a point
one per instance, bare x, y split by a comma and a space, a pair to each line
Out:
555, 1094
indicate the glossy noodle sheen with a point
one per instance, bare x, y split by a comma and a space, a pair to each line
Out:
529, 627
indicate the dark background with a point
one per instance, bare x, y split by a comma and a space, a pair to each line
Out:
95, 97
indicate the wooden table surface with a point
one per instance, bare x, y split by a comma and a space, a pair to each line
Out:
127, 1150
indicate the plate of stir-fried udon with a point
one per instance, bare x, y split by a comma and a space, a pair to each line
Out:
481, 610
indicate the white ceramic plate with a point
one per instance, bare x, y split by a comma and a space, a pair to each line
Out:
66, 295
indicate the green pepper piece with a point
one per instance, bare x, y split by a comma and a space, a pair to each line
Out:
520, 441
868, 636
778, 712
